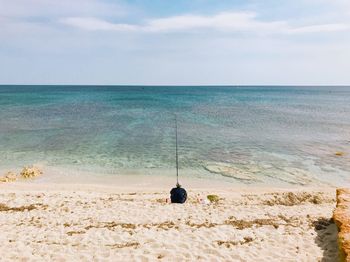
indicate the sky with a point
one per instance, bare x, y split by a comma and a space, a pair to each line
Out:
175, 42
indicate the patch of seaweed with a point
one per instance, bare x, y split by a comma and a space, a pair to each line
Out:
71, 233
292, 199
206, 224
228, 244
231, 221
126, 199
259, 222
161, 201
242, 224
124, 245
165, 225
5, 208
112, 225
291, 221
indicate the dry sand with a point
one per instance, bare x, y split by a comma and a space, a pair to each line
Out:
75, 222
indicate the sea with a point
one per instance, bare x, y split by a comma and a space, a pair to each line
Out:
254, 135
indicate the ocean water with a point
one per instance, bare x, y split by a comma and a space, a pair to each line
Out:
249, 135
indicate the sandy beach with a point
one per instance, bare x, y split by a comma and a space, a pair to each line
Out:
85, 222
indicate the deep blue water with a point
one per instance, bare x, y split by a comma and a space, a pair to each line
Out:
245, 134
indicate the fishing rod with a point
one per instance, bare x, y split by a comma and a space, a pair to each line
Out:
177, 194
177, 155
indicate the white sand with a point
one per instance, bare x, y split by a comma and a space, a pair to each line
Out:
101, 223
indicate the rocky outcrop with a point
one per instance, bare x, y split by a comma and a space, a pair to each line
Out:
31, 172
27, 172
9, 177
341, 217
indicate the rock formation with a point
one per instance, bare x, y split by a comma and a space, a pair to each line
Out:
31, 172
9, 177
341, 217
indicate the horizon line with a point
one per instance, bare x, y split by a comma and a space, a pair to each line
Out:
184, 85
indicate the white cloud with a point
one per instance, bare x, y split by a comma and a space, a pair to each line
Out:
38, 18
49, 9
321, 28
246, 22
233, 22
97, 15
94, 24
38, 45
228, 21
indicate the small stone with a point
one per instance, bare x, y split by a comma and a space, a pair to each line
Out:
339, 153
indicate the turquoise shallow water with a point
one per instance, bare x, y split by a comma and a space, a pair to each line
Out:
251, 135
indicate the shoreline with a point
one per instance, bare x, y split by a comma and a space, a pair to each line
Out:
152, 182
152, 178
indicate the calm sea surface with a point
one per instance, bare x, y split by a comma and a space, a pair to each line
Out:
251, 135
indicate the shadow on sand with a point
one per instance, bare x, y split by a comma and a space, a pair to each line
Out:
327, 238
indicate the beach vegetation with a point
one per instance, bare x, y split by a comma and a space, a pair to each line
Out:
213, 198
